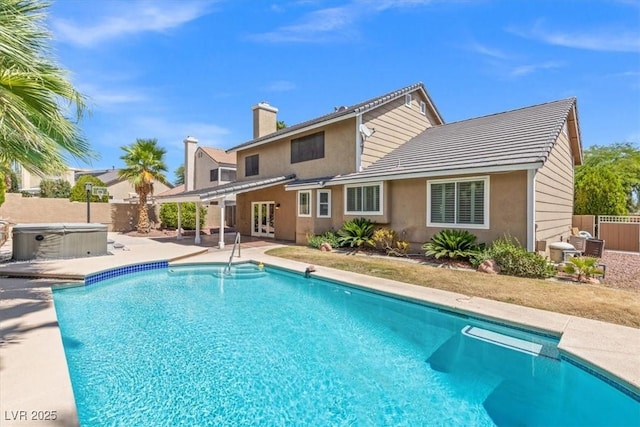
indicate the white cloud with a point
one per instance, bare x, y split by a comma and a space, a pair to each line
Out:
522, 70
602, 39
318, 26
106, 98
133, 18
487, 51
332, 24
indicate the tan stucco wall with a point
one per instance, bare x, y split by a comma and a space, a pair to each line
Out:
203, 165
554, 194
284, 221
507, 209
32, 210
275, 157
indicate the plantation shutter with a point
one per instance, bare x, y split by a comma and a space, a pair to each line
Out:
371, 201
354, 199
443, 198
470, 209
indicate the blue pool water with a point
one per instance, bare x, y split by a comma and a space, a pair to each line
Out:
192, 346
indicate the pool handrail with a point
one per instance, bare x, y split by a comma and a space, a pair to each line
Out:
236, 243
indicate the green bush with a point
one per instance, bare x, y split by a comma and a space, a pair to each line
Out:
315, 241
356, 233
514, 260
169, 215
453, 244
79, 194
55, 189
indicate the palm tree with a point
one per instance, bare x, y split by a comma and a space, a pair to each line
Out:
144, 162
35, 95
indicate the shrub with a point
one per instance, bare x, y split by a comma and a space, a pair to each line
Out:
453, 244
356, 233
79, 194
514, 260
583, 267
169, 215
55, 189
315, 241
386, 240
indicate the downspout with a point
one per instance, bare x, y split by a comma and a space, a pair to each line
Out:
359, 143
531, 210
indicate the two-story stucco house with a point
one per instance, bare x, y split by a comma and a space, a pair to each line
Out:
392, 159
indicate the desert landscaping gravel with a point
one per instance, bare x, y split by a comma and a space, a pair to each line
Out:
623, 269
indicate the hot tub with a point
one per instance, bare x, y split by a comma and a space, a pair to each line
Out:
58, 240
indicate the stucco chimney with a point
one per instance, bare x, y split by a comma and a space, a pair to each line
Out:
265, 119
190, 144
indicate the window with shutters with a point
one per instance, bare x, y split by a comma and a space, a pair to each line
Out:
460, 203
363, 199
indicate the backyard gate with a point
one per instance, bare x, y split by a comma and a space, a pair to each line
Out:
620, 233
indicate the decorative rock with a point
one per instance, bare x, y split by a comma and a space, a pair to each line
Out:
489, 266
326, 247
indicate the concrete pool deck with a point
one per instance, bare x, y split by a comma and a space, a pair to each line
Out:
34, 379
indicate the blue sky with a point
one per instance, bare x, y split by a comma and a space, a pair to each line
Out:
168, 69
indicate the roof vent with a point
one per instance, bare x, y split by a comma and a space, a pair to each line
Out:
340, 108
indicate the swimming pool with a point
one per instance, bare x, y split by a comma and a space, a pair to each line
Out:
193, 346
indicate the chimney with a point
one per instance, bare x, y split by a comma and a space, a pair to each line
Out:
189, 162
264, 119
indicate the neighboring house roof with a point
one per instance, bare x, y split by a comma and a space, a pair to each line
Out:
232, 188
510, 140
342, 113
109, 176
172, 191
220, 156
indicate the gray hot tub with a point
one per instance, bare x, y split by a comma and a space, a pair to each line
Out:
58, 240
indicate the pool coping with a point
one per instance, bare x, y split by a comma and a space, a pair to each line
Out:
607, 349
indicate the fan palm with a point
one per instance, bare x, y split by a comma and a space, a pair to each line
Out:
35, 95
145, 164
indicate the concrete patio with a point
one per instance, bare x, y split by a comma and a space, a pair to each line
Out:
34, 379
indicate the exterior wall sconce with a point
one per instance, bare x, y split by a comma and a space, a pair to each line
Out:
277, 205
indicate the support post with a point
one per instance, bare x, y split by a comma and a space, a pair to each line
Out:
179, 236
88, 187
197, 239
222, 221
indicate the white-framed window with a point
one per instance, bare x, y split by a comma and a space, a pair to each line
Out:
407, 100
304, 203
363, 199
458, 203
423, 108
324, 204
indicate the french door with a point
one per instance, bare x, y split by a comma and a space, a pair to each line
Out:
262, 224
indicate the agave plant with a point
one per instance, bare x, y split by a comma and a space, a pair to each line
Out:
356, 233
453, 244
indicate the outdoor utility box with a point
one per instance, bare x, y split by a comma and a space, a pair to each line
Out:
58, 240
594, 248
557, 249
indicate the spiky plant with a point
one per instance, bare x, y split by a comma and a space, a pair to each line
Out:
453, 244
356, 233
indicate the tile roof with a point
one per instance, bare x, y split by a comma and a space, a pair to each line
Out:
220, 156
517, 137
343, 112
